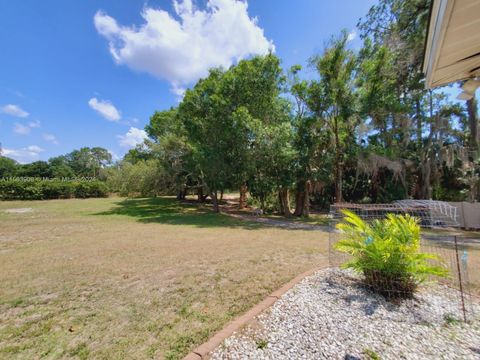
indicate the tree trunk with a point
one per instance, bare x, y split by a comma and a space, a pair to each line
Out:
284, 202
426, 189
426, 165
182, 193
214, 197
338, 166
299, 198
473, 123
221, 195
374, 187
280, 202
201, 199
306, 201
338, 182
426, 169
300, 195
262, 203
242, 203
419, 124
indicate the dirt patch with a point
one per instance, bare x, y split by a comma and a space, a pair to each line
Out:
19, 210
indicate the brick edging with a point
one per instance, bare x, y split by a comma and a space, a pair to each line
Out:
203, 350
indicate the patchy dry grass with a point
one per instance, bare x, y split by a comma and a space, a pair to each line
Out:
143, 278
313, 219
469, 248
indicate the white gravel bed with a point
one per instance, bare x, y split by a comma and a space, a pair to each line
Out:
330, 316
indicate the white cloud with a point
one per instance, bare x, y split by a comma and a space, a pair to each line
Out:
133, 137
129, 122
14, 110
21, 129
182, 47
25, 129
50, 138
34, 149
34, 124
178, 91
351, 35
24, 155
105, 108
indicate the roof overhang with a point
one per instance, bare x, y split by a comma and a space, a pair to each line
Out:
452, 50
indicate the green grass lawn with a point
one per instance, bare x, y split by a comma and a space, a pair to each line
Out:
140, 278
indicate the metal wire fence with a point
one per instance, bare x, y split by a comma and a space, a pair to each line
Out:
453, 252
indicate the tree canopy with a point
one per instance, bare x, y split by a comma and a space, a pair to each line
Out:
358, 127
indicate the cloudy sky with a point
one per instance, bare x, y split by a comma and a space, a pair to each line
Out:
90, 73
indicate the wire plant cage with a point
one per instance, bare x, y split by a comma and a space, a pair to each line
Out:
438, 220
431, 213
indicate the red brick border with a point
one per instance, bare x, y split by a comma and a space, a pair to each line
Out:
203, 350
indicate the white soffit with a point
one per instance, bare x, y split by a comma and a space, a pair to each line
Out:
452, 51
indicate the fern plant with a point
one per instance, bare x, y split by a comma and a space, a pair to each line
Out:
387, 253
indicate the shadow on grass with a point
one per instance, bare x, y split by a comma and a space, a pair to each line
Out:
170, 211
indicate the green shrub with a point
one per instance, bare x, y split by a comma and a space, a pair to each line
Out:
50, 189
144, 178
57, 190
20, 190
31, 191
270, 204
6, 190
387, 253
90, 189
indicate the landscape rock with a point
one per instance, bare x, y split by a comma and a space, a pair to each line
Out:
330, 315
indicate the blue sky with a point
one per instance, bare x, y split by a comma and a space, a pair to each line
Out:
90, 73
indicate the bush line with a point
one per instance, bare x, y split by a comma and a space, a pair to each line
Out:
51, 189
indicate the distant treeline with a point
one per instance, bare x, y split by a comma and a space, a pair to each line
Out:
79, 174
85, 162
